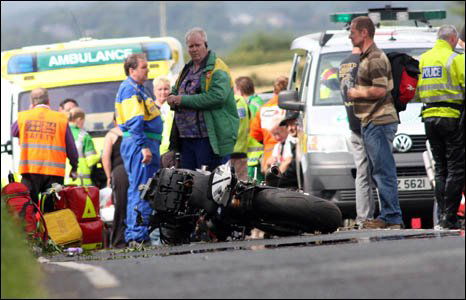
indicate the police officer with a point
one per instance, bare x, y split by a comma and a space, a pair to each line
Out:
441, 89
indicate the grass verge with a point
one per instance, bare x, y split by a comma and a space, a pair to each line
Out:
21, 274
262, 75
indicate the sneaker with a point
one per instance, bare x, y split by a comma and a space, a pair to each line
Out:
138, 245
133, 244
447, 225
255, 234
379, 224
438, 227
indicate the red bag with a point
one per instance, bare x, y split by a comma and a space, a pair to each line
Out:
83, 201
407, 87
93, 236
20, 204
405, 73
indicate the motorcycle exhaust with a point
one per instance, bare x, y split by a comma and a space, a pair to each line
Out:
273, 176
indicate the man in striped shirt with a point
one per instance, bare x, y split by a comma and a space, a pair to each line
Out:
373, 105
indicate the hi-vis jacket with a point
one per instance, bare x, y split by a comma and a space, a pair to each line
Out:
42, 138
137, 113
241, 145
88, 157
255, 149
268, 116
441, 82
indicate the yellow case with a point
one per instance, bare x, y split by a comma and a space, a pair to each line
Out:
63, 227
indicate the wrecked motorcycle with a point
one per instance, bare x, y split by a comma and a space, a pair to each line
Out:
215, 206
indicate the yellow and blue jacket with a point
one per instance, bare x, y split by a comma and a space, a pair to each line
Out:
136, 113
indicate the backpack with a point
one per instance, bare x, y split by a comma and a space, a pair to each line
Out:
405, 73
20, 204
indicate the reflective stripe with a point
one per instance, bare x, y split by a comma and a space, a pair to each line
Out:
80, 143
89, 153
42, 146
41, 163
85, 176
445, 112
443, 98
150, 135
439, 86
254, 149
448, 66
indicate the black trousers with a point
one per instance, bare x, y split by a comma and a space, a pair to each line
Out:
38, 183
446, 139
120, 185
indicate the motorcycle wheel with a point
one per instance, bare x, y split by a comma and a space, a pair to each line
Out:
293, 209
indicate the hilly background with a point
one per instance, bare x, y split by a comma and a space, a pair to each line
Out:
231, 26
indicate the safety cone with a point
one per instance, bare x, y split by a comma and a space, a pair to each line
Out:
461, 208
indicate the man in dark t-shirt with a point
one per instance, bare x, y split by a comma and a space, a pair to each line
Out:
347, 75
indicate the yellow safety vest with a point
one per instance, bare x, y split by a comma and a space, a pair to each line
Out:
87, 159
441, 82
255, 149
241, 145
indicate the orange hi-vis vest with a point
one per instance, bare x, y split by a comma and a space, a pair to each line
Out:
42, 138
267, 117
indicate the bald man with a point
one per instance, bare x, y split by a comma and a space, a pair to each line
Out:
46, 141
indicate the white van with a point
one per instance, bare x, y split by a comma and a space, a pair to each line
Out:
324, 151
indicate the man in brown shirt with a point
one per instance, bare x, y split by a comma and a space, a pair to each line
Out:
373, 105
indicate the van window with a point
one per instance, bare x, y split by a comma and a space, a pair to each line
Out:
327, 90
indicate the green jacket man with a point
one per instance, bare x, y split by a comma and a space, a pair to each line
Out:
206, 122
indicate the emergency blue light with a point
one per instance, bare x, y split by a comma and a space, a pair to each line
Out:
157, 51
19, 64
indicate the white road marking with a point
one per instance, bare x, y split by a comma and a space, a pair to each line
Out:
98, 276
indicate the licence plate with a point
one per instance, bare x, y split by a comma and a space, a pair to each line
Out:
413, 183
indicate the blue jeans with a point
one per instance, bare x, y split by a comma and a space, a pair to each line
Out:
196, 152
378, 141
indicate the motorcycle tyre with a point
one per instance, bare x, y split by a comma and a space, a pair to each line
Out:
308, 213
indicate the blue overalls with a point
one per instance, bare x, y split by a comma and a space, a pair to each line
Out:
141, 123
